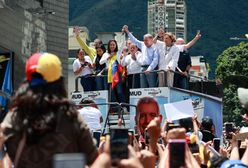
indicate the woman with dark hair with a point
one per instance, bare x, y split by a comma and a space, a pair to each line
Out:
100, 49
82, 66
112, 58
100, 69
42, 121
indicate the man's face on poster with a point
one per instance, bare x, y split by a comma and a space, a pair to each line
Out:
146, 113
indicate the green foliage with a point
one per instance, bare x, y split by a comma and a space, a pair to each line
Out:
232, 69
218, 20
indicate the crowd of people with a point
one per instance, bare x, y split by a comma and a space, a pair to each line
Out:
152, 145
42, 122
160, 61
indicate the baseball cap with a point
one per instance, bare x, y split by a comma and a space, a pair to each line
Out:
47, 65
233, 164
243, 97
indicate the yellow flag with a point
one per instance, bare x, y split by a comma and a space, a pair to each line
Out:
111, 61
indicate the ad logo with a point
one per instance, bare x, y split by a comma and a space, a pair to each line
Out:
76, 96
135, 93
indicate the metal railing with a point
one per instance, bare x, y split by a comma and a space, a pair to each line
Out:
82, 77
133, 78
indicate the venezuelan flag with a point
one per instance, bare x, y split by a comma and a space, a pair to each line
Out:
114, 70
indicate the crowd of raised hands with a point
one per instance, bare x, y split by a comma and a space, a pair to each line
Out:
158, 153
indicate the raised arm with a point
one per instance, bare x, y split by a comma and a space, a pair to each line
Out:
196, 128
132, 38
159, 35
192, 42
235, 149
89, 50
245, 156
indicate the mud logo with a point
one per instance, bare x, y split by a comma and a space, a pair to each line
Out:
76, 96
135, 93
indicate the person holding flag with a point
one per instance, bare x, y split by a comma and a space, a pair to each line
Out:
112, 58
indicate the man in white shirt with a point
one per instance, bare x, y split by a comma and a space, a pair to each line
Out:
168, 59
91, 115
133, 64
82, 66
150, 58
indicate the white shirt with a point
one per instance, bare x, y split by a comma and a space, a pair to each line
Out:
150, 55
77, 64
133, 66
105, 56
92, 117
181, 47
104, 59
168, 56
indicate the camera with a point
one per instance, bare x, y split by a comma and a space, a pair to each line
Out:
119, 143
84, 64
177, 148
229, 129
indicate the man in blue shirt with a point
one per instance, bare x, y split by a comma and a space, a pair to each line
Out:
149, 59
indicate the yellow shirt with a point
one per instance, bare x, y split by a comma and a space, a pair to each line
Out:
91, 52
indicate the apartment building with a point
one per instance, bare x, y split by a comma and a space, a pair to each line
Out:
168, 14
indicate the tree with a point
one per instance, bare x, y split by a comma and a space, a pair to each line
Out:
232, 69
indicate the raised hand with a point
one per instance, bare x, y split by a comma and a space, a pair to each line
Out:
154, 129
125, 29
154, 132
133, 160
198, 35
76, 30
147, 158
161, 32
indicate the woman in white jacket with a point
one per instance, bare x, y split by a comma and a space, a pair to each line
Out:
168, 58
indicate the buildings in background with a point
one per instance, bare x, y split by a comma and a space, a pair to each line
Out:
28, 26
156, 16
168, 14
200, 68
176, 18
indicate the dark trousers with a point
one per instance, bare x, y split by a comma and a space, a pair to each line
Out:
133, 81
180, 81
101, 82
117, 94
88, 83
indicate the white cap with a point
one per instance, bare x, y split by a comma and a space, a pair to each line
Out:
243, 97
